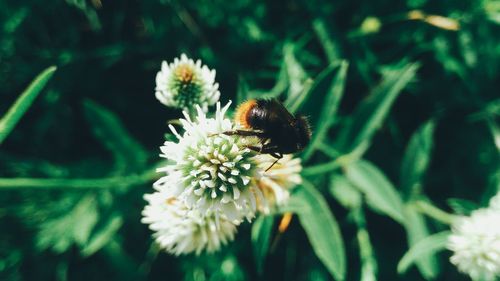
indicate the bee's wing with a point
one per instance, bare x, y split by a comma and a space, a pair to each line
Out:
279, 113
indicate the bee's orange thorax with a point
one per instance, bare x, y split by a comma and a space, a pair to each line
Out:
241, 116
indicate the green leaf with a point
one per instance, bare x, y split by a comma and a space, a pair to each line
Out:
297, 76
380, 193
345, 193
329, 109
102, 235
23, 102
416, 158
128, 154
330, 47
261, 237
416, 230
371, 112
279, 87
427, 246
322, 230
71, 228
321, 85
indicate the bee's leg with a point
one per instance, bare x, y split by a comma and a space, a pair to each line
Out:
254, 148
244, 133
276, 155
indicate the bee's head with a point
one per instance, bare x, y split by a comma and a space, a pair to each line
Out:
302, 131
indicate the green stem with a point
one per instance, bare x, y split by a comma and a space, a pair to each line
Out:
368, 262
434, 212
82, 183
329, 151
322, 168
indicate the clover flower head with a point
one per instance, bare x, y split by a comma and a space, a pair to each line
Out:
475, 243
276, 182
180, 230
209, 170
185, 83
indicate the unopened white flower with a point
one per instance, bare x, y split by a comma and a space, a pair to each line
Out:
475, 243
180, 230
211, 171
185, 83
276, 182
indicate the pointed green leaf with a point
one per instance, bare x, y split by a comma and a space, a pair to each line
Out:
102, 235
328, 110
322, 230
295, 72
427, 246
380, 193
23, 103
330, 47
314, 96
371, 112
261, 237
416, 158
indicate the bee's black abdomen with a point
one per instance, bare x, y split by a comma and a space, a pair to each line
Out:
258, 115
281, 131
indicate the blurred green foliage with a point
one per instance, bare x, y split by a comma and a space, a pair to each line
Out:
402, 95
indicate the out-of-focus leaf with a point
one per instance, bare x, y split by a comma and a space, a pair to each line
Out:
416, 230
322, 84
23, 102
380, 193
296, 73
261, 236
416, 158
242, 93
495, 132
331, 48
329, 110
427, 246
462, 206
371, 112
294, 205
345, 193
73, 227
279, 87
101, 236
322, 230
129, 155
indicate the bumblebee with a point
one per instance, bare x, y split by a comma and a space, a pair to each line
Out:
279, 131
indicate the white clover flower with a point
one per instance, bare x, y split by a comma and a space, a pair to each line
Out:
276, 183
180, 230
476, 244
185, 83
211, 171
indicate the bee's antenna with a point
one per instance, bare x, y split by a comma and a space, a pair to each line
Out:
276, 161
278, 156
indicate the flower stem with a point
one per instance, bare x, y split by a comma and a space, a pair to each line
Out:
77, 183
434, 212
